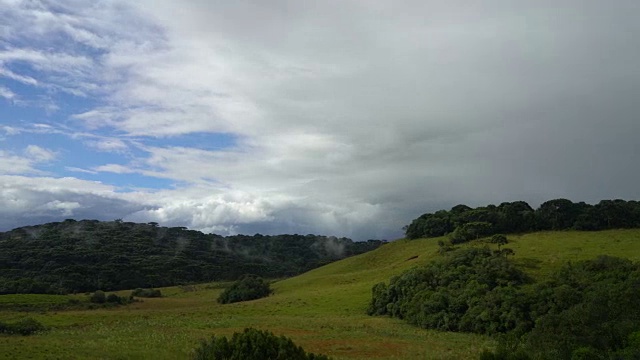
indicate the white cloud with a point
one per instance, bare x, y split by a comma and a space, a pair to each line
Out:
21, 78
10, 130
32, 200
114, 168
226, 212
39, 154
80, 170
59, 62
108, 145
59, 185
10, 163
13, 164
65, 208
7, 93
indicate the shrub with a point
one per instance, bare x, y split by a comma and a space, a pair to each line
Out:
113, 298
249, 287
252, 344
146, 293
98, 297
23, 327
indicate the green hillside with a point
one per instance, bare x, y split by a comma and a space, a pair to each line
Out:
322, 310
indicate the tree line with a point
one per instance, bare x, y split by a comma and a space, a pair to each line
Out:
88, 255
464, 223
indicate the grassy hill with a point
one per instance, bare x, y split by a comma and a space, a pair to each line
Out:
322, 310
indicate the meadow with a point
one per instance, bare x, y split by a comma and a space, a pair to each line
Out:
322, 310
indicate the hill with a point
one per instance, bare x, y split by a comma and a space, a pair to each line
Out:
88, 255
322, 310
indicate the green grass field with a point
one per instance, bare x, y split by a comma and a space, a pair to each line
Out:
34, 299
322, 310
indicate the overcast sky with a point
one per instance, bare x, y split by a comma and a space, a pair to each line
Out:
346, 118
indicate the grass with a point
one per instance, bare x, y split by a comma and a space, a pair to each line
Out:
34, 299
322, 310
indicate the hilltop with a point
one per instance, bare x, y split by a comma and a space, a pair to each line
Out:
323, 310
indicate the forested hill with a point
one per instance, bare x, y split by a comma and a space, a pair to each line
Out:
464, 223
80, 256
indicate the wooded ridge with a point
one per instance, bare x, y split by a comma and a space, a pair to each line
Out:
88, 255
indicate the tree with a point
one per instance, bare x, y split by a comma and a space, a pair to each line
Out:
470, 231
499, 239
558, 214
88, 255
515, 217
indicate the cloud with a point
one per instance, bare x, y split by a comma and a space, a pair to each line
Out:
350, 119
20, 78
114, 168
75, 169
11, 163
108, 145
9, 130
28, 200
6, 93
38, 154
65, 208
25, 200
58, 62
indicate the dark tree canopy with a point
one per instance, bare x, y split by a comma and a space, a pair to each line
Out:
249, 287
462, 222
89, 255
252, 344
584, 308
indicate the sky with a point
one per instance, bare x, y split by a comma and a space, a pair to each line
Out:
346, 118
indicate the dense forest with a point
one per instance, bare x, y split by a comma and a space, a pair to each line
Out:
81, 256
464, 223
585, 310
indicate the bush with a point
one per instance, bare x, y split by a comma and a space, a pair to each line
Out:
469, 290
252, 344
584, 310
98, 297
587, 309
250, 287
113, 298
23, 327
146, 293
